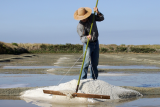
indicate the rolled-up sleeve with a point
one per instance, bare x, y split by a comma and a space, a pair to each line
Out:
99, 17
81, 33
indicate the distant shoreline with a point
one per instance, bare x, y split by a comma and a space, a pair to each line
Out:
15, 48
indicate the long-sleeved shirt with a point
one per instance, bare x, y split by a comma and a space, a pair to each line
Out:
83, 28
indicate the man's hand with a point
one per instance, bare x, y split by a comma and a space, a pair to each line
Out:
96, 10
89, 37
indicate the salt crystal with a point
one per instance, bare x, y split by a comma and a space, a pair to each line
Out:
86, 86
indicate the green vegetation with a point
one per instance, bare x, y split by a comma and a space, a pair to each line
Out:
68, 48
142, 50
15, 44
6, 48
121, 49
15, 48
103, 50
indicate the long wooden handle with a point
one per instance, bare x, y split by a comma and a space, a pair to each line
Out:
77, 94
86, 50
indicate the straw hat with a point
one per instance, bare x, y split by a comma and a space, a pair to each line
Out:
82, 13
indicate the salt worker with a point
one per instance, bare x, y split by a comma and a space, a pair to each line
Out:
85, 16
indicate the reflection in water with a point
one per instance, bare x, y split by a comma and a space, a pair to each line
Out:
150, 101
117, 79
150, 80
16, 103
13, 85
78, 66
31, 67
143, 102
108, 103
150, 85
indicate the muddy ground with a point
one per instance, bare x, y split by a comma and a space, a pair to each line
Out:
68, 60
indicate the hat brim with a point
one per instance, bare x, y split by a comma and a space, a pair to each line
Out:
89, 11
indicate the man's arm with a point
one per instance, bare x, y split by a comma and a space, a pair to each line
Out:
81, 33
99, 16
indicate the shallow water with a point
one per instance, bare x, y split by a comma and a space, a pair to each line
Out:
149, 102
78, 66
31, 67
16, 103
143, 102
117, 79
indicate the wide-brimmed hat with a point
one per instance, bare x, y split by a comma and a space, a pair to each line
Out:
82, 13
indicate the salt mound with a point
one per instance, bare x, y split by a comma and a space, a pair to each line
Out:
87, 86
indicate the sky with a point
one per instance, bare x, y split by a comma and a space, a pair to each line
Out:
130, 22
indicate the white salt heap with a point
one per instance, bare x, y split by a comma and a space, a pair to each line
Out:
87, 86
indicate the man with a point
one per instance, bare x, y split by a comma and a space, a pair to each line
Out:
83, 29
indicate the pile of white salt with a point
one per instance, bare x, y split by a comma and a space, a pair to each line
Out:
87, 86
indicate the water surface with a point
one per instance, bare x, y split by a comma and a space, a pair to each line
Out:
117, 79
142, 102
78, 66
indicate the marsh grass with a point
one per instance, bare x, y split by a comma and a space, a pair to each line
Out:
51, 48
17, 48
11, 48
